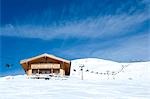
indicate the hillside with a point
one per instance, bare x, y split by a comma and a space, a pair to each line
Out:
103, 69
103, 79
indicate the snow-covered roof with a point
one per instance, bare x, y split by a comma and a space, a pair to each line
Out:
44, 55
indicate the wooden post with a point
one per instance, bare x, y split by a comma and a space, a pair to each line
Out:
29, 70
38, 71
63, 69
52, 70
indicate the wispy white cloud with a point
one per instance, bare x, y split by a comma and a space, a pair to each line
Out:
101, 26
122, 49
131, 48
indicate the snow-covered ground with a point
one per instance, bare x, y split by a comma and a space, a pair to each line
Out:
98, 69
102, 80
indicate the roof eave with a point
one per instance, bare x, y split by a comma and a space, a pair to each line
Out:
44, 55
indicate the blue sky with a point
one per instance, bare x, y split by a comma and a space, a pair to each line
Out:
117, 30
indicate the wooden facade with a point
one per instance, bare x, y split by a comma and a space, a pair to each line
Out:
46, 64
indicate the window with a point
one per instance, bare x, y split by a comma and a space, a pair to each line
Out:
34, 71
56, 71
44, 71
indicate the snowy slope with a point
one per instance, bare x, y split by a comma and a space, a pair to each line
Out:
19, 87
138, 71
103, 69
103, 80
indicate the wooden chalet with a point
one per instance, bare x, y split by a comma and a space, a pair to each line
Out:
46, 64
